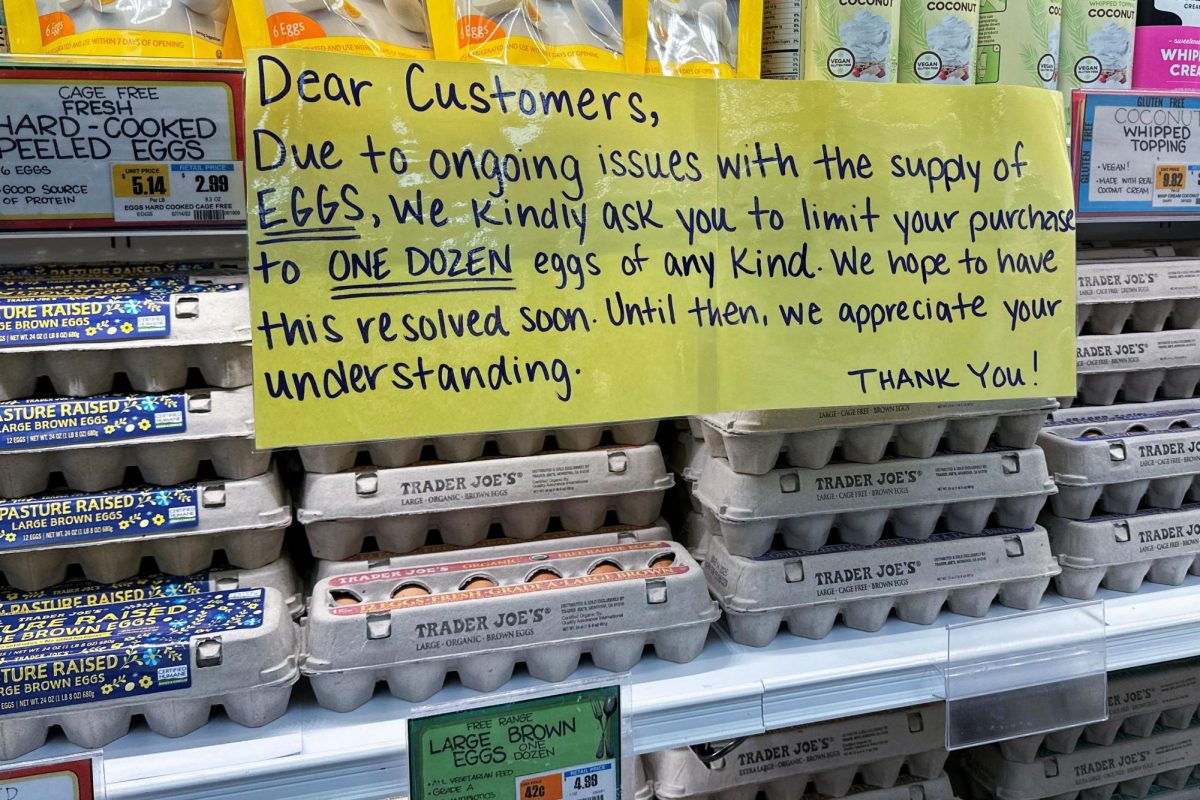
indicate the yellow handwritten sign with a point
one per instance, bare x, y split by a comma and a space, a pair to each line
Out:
446, 248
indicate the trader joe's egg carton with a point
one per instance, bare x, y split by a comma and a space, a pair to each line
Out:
608, 535
151, 329
1137, 367
109, 533
1130, 765
864, 583
1139, 700
398, 507
170, 660
1116, 457
92, 441
403, 452
754, 440
829, 755
1120, 551
411, 625
1138, 293
963, 491
81, 593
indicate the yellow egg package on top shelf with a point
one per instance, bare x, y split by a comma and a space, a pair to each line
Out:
577, 34
393, 28
696, 38
178, 29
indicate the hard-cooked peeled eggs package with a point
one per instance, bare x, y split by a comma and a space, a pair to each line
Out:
697, 38
578, 34
187, 29
394, 28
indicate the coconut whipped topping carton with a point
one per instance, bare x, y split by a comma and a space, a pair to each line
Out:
1097, 46
852, 40
937, 41
1019, 43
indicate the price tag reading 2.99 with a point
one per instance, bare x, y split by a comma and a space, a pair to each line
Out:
564, 747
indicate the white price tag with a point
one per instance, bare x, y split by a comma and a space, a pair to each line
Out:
210, 191
592, 782
75, 778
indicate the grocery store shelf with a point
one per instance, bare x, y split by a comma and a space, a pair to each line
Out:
730, 690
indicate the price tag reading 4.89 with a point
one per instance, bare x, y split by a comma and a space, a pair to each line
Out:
562, 747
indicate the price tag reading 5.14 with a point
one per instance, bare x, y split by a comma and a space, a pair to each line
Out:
211, 191
564, 747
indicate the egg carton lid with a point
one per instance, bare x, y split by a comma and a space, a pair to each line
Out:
487, 483
190, 647
514, 615
201, 312
82, 593
1086, 251
1137, 352
208, 506
1090, 766
811, 419
1107, 452
790, 492
687, 456
1137, 280
612, 534
800, 751
1089, 416
1189, 791
786, 579
1112, 539
202, 414
108, 271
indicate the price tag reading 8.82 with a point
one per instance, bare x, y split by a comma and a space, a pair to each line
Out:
1176, 185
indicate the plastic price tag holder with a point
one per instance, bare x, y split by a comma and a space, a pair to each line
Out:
75, 777
561, 741
1025, 674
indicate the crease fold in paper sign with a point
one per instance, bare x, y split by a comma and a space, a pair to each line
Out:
442, 248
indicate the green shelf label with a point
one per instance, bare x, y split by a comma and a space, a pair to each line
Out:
561, 747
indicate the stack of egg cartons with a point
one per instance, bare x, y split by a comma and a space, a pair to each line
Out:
111, 453
859, 511
531, 547
1149, 745
889, 755
1124, 511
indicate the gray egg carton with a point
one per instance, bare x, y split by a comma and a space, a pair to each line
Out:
1139, 700
1119, 552
610, 534
210, 331
1138, 367
80, 593
753, 441
963, 491
1130, 765
412, 642
1189, 791
219, 429
1115, 458
403, 452
907, 787
697, 533
250, 672
1141, 293
245, 519
864, 584
829, 755
461, 501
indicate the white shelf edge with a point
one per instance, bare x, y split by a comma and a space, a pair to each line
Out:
728, 691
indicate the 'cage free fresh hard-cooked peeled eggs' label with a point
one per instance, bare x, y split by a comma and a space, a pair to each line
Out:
852, 40
1018, 43
937, 41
